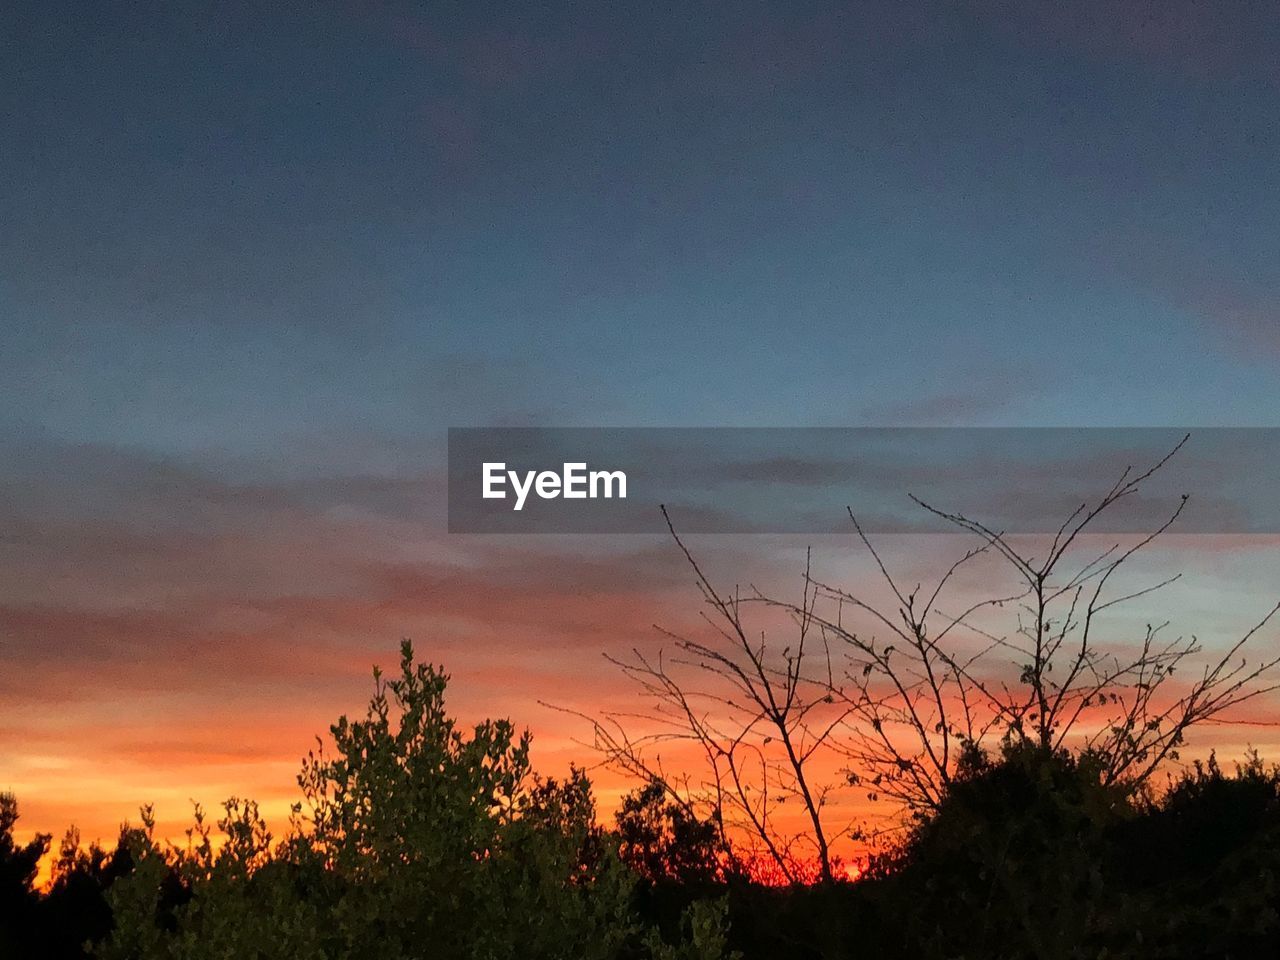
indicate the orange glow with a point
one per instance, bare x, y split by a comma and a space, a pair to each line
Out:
213, 682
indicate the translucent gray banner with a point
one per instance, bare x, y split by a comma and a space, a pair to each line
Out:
806, 480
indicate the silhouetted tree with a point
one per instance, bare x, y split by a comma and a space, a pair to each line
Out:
905, 694
1017, 847
918, 706
761, 726
19, 864
663, 842
74, 912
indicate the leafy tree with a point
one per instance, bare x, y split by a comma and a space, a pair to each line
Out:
1033, 853
18, 866
74, 911
1010, 862
664, 841
414, 838
1199, 872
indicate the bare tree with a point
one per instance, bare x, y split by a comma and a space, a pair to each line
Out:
899, 708
759, 723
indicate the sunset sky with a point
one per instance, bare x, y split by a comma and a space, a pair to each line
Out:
257, 258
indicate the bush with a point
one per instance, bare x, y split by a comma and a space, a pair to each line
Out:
413, 839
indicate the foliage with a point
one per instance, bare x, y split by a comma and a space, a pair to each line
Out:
414, 838
1016, 848
18, 866
664, 841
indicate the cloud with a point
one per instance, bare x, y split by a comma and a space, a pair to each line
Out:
982, 397
1247, 311
162, 623
1235, 300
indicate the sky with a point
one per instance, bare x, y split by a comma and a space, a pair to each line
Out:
257, 258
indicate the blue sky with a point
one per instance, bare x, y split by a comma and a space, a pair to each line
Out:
230, 229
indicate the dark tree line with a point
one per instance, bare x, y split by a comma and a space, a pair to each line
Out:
412, 838
1030, 854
